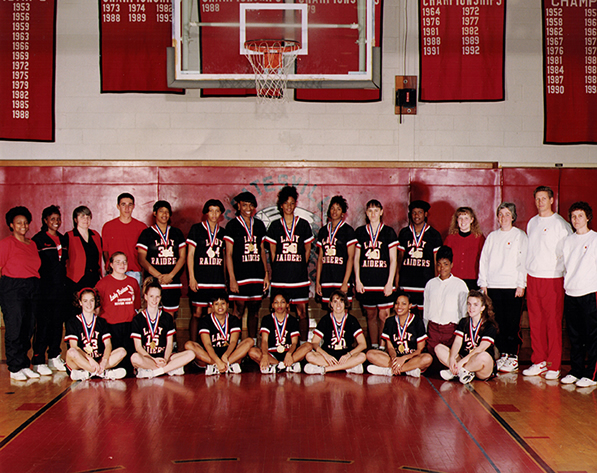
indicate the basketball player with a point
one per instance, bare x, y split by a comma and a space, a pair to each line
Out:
336, 242
219, 348
279, 340
338, 341
205, 262
375, 269
290, 240
246, 260
417, 248
153, 334
405, 338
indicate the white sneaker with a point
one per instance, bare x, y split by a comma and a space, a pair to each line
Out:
176, 372
416, 373
552, 374
501, 361
314, 369
18, 376
294, 368
447, 375
57, 364
358, 369
569, 379
379, 370
30, 373
116, 373
585, 383
271, 369
536, 369
211, 370
465, 376
234, 368
42, 370
510, 365
80, 375
143, 373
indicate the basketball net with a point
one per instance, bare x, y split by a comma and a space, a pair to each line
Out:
272, 61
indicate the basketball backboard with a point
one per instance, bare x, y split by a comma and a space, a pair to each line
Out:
337, 42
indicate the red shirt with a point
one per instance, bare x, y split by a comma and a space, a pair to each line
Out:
19, 260
120, 299
467, 251
118, 236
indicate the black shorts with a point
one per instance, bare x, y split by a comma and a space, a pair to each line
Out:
203, 297
248, 293
376, 299
171, 299
295, 295
326, 292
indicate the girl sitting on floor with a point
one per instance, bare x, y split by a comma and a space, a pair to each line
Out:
153, 334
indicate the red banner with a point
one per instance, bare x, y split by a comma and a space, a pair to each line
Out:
27, 69
134, 35
462, 50
570, 71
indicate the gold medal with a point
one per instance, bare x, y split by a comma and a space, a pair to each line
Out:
280, 348
330, 251
400, 348
88, 349
251, 248
210, 252
152, 345
338, 346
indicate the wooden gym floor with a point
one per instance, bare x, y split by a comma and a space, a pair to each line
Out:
295, 422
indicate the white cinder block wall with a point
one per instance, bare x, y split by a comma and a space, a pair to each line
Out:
90, 125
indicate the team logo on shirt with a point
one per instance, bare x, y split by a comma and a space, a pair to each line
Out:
397, 342
415, 254
165, 254
251, 250
289, 249
123, 296
152, 344
373, 255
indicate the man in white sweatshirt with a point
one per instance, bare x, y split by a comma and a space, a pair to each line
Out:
580, 301
545, 285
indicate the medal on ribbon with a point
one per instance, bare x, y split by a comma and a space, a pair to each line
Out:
249, 232
280, 333
212, 238
418, 251
474, 332
88, 330
331, 250
222, 328
165, 237
402, 332
292, 246
153, 327
373, 252
339, 330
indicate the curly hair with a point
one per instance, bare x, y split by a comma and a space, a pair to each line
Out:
586, 208
15, 212
487, 316
475, 228
286, 193
340, 201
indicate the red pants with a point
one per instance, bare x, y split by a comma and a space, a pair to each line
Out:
437, 334
545, 302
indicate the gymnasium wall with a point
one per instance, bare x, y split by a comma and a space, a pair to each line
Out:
92, 126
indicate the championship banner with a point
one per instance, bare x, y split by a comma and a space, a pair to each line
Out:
461, 48
570, 71
134, 35
27, 69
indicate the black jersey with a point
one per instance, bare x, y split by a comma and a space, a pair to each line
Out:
289, 268
279, 334
404, 339
219, 334
374, 263
338, 336
91, 339
417, 264
334, 244
246, 249
470, 340
163, 250
153, 335
208, 264
52, 272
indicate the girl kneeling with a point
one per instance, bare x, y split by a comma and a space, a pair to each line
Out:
90, 346
405, 338
334, 341
279, 340
153, 334
471, 354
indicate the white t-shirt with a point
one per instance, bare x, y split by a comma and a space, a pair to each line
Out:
546, 239
503, 260
580, 260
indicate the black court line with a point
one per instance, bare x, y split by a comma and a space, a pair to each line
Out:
34, 417
321, 460
464, 427
99, 470
525, 446
204, 460
422, 470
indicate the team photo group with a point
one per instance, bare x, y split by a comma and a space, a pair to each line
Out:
113, 297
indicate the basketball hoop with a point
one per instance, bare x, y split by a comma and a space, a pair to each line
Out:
272, 60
